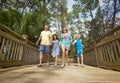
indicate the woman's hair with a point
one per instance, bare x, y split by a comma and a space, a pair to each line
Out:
56, 36
64, 29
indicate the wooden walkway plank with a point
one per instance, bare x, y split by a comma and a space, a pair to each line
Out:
51, 74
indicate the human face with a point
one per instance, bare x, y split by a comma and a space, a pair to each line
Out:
54, 37
78, 36
64, 30
46, 27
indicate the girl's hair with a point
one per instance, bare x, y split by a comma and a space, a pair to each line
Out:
56, 36
64, 29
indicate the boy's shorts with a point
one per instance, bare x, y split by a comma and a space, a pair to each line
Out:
44, 48
79, 53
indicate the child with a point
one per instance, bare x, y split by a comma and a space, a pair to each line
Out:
56, 49
65, 40
79, 49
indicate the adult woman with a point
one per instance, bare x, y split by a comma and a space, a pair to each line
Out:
65, 39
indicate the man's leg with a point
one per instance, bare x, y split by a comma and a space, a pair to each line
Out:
48, 59
41, 55
47, 50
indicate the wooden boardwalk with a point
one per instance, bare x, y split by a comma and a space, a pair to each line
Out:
51, 74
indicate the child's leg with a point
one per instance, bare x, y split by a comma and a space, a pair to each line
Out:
78, 60
55, 60
82, 65
82, 59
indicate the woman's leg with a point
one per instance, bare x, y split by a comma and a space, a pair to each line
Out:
66, 53
63, 56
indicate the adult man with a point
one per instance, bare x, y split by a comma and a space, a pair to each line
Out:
46, 39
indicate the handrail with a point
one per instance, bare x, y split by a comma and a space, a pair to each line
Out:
104, 51
15, 50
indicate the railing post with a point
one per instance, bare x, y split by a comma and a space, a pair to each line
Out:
24, 49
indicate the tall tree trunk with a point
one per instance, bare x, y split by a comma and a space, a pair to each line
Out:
114, 14
102, 17
0, 6
91, 27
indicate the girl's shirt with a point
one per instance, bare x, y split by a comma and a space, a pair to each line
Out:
78, 44
65, 39
55, 43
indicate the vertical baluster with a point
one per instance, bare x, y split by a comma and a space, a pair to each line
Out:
12, 52
21, 52
115, 51
6, 48
118, 47
18, 51
2, 48
9, 51
109, 54
15, 51
112, 53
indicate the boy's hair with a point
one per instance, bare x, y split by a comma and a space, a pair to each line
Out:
77, 35
65, 29
56, 36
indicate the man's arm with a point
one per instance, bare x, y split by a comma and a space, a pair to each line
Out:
39, 39
50, 39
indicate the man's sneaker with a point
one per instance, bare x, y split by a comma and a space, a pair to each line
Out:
66, 64
39, 65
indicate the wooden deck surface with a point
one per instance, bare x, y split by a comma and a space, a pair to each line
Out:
51, 74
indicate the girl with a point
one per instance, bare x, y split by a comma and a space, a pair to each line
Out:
79, 49
56, 50
65, 40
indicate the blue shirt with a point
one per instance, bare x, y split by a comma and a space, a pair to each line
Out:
78, 44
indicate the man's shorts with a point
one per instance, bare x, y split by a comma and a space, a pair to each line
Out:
44, 48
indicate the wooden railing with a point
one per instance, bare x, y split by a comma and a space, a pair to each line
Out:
16, 50
104, 51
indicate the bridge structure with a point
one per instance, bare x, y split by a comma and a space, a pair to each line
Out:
19, 58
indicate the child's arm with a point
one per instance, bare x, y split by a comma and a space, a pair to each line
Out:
82, 45
74, 42
59, 43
